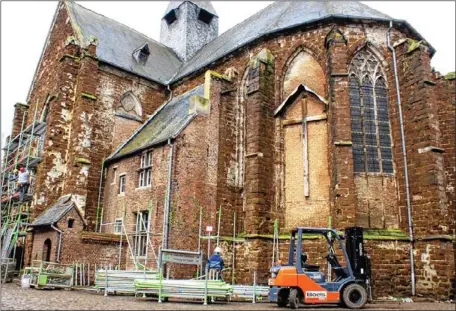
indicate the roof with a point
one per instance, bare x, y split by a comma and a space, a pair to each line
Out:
169, 120
278, 16
164, 66
205, 5
54, 213
117, 42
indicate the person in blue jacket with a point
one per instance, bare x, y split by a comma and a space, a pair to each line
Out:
215, 262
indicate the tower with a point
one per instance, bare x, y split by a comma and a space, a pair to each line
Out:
187, 26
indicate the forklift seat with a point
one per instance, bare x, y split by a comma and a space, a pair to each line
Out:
306, 267
340, 271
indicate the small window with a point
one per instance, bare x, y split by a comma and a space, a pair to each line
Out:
118, 226
205, 16
145, 173
122, 182
70, 223
170, 17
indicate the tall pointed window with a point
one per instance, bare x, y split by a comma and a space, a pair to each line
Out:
370, 126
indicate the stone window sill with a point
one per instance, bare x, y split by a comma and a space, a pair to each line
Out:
121, 194
143, 188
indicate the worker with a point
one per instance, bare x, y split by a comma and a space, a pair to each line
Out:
216, 264
275, 269
22, 181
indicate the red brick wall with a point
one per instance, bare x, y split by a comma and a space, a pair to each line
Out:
136, 198
40, 236
56, 75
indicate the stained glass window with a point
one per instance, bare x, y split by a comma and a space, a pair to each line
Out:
370, 126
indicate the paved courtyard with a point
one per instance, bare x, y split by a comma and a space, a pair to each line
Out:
16, 298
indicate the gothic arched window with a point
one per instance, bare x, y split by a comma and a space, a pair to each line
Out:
129, 106
370, 126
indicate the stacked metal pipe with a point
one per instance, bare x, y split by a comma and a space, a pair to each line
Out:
190, 289
121, 281
246, 292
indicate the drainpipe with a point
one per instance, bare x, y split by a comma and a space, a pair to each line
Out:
168, 197
407, 186
99, 198
170, 92
60, 241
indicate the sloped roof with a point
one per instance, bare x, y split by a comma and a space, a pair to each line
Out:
117, 42
166, 123
205, 5
54, 213
278, 16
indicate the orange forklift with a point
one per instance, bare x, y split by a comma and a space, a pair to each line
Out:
301, 283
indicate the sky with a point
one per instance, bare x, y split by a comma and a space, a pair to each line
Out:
25, 25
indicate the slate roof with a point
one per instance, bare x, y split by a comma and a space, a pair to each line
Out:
206, 5
54, 213
117, 43
169, 120
278, 16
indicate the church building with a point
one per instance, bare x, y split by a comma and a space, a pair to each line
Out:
308, 113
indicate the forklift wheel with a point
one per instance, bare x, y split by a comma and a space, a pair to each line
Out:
294, 298
354, 296
282, 298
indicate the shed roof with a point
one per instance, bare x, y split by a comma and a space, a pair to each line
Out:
169, 120
55, 212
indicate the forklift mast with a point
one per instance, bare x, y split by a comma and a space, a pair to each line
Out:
359, 261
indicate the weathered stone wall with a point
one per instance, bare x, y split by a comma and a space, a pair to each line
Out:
56, 76
19, 111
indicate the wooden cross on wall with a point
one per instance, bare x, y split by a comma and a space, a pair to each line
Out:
303, 121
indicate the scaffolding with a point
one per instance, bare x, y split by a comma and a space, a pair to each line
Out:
24, 149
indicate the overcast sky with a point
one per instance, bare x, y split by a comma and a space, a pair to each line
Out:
25, 24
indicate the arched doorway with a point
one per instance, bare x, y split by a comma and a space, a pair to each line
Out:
46, 250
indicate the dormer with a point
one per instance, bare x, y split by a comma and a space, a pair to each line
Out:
141, 54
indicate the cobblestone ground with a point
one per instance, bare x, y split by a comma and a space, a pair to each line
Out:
16, 298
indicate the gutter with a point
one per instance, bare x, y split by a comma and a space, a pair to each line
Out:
407, 186
60, 241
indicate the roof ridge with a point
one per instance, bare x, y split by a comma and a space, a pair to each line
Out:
72, 2
371, 8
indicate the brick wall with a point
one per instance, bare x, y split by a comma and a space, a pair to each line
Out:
136, 199
40, 236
